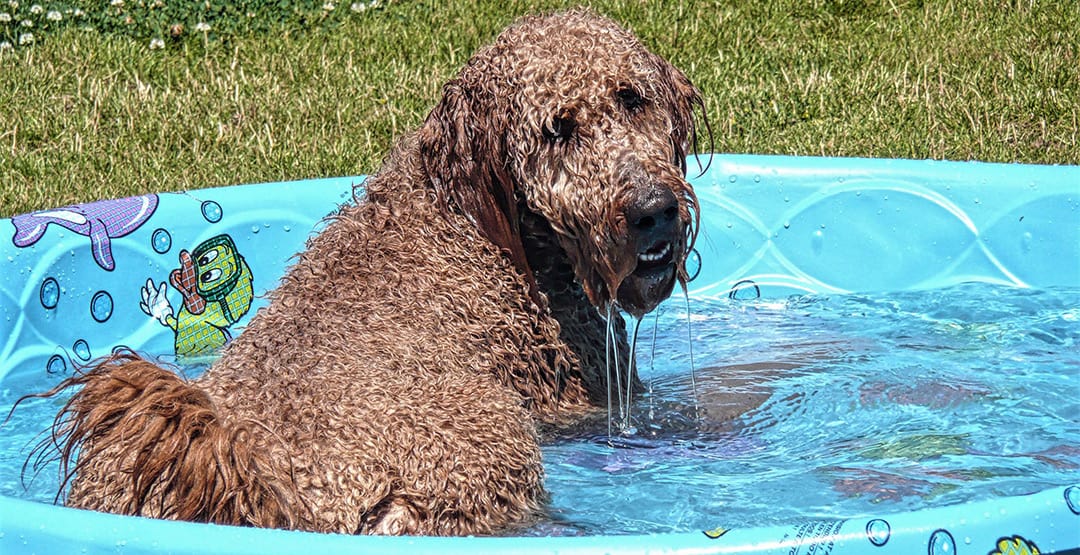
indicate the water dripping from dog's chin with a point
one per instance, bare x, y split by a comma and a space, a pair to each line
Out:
629, 428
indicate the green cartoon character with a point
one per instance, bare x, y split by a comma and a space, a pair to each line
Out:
215, 283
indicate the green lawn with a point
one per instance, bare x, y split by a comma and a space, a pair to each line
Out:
101, 109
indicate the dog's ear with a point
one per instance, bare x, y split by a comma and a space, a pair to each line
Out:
685, 99
463, 152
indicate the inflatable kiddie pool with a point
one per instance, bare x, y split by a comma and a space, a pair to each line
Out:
773, 228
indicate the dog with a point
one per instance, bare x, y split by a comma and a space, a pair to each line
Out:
401, 376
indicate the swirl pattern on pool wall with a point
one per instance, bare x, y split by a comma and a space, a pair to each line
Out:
794, 227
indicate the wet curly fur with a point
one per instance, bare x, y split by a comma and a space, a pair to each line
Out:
400, 376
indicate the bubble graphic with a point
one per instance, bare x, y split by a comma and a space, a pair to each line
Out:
82, 349
878, 532
101, 306
50, 293
942, 543
1072, 498
211, 211
56, 366
693, 265
161, 241
745, 290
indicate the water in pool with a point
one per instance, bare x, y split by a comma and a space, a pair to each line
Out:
806, 407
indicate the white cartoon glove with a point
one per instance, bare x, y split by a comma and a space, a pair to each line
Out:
155, 303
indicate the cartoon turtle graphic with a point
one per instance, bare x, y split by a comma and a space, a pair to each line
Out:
215, 283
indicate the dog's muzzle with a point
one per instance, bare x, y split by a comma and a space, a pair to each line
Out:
656, 235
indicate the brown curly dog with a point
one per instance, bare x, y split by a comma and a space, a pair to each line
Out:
397, 380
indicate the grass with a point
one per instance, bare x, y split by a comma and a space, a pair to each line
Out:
102, 110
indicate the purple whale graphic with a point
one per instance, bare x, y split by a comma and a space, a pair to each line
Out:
100, 221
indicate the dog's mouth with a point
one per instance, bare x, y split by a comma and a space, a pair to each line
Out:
651, 280
657, 257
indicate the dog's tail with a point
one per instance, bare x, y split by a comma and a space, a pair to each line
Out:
137, 439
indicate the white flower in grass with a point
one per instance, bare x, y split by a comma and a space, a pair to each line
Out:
202, 26
117, 3
27, 23
157, 44
13, 4
26, 39
5, 45
5, 17
36, 9
79, 13
358, 7
329, 6
54, 16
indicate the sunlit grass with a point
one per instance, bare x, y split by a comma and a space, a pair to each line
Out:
87, 113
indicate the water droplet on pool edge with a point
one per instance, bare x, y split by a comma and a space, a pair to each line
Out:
1025, 241
817, 241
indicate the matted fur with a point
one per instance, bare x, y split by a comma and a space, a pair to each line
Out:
396, 380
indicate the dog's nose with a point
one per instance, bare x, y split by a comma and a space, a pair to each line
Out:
653, 215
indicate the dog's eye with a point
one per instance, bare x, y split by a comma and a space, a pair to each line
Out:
629, 98
561, 128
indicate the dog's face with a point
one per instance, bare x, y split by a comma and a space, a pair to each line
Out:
587, 128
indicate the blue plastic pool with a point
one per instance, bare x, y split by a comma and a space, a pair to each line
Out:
934, 283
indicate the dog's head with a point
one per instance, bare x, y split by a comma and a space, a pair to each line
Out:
570, 117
